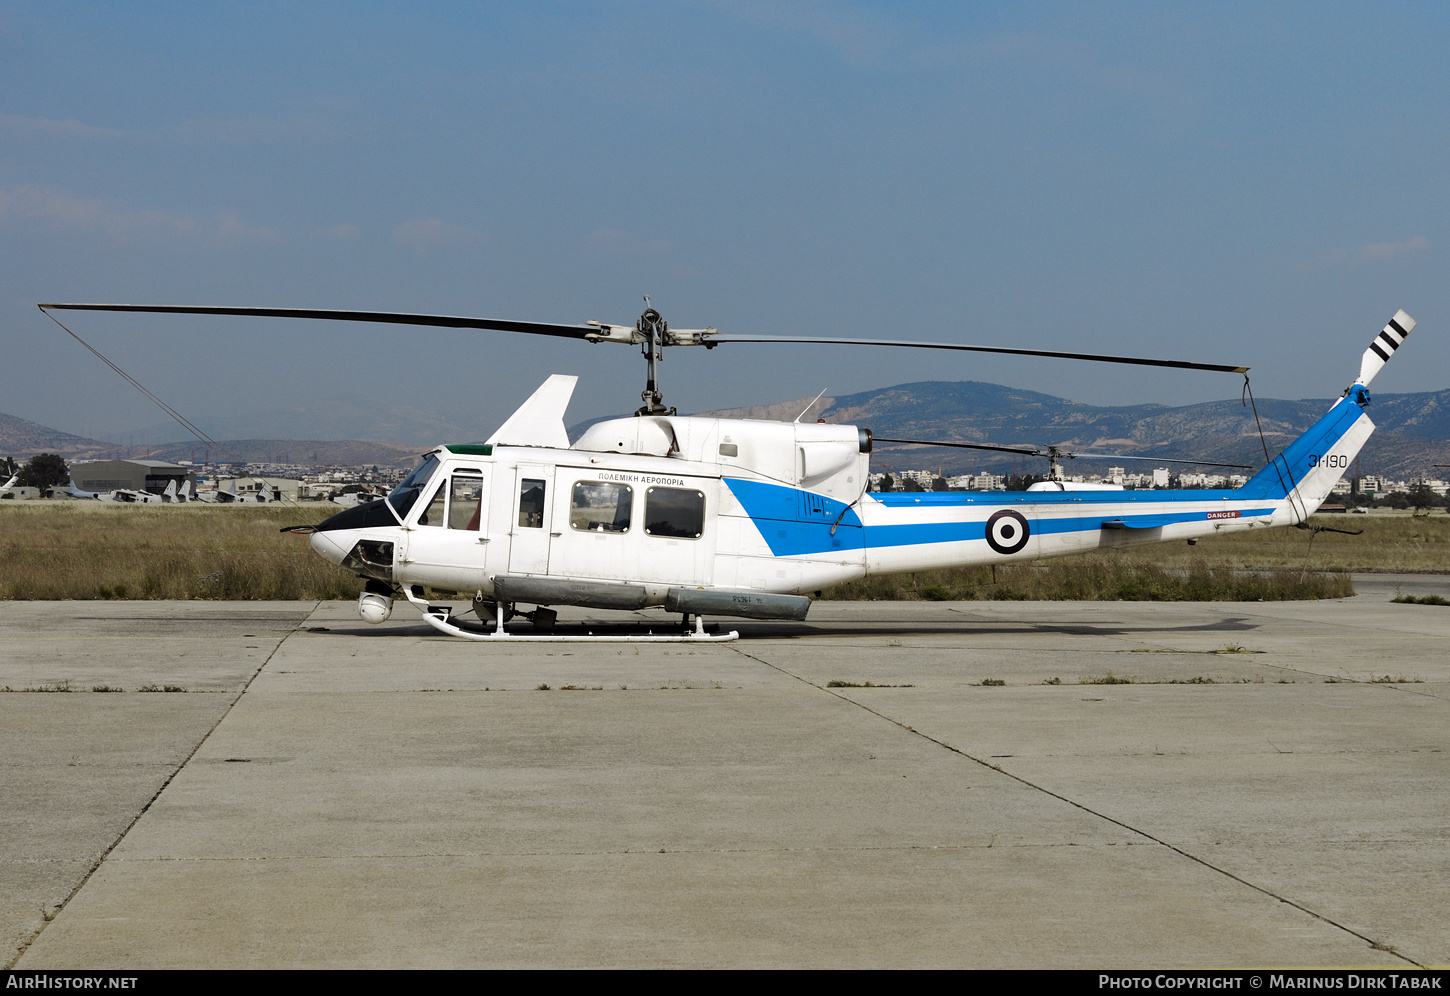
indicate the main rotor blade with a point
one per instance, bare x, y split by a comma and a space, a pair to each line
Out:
1093, 357
385, 317
602, 332
962, 446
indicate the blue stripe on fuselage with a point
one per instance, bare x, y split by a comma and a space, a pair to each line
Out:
780, 513
794, 522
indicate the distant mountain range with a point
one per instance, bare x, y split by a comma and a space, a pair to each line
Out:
23, 439
1413, 430
331, 418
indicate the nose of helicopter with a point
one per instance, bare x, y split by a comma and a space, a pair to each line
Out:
332, 545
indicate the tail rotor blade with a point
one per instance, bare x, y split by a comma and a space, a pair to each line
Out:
1383, 346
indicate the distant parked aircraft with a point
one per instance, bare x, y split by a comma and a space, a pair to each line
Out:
231, 495
122, 496
354, 498
173, 496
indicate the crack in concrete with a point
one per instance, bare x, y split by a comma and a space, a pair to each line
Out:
50, 915
1374, 944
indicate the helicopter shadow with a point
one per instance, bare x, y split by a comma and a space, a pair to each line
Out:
754, 629
896, 628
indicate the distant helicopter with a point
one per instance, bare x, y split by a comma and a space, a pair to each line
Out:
737, 517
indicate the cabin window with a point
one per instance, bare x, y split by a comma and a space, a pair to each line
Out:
675, 512
433, 514
599, 507
465, 502
531, 503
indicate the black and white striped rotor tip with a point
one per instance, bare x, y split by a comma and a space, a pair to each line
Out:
1383, 346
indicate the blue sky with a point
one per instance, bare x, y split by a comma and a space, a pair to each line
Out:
1248, 183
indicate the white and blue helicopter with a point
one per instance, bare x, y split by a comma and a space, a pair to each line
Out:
708, 516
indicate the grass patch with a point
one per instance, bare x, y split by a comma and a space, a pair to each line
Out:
1108, 680
88, 550
1420, 600
993, 682
1286, 566
838, 683
1401, 680
1097, 577
1390, 544
542, 687
160, 688
106, 688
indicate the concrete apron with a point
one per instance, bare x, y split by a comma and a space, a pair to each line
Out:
387, 797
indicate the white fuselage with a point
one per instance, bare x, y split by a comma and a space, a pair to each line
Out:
781, 509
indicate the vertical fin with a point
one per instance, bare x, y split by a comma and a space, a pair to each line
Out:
539, 421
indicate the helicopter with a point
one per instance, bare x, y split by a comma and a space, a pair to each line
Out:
708, 517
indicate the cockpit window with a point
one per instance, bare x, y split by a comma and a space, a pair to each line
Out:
433, 514
406, 494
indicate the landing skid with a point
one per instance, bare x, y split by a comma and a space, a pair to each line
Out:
440, 618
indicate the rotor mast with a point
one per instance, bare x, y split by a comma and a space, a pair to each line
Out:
654, 329
1054, 463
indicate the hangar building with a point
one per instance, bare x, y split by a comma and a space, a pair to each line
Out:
133, 475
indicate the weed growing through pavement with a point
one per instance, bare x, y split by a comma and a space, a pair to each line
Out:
838, 683
1232, 648
1201, 679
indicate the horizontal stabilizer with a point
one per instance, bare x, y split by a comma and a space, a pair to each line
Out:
1383, 346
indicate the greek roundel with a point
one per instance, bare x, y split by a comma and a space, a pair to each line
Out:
1007, 531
